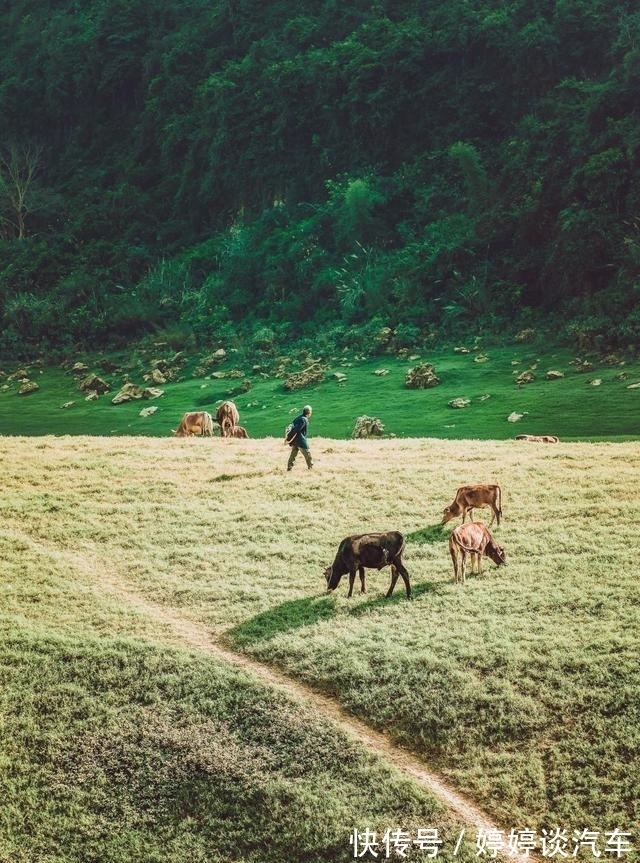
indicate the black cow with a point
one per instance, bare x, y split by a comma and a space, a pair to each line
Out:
370, 550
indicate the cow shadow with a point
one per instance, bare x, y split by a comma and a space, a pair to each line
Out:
287, 617
398, 596
431, 533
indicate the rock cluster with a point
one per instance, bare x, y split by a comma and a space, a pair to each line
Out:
421, 377
367, 427
313, 374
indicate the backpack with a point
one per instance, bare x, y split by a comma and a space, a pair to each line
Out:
289, 434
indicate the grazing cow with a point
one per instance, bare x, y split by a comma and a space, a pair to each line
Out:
470, 496
370, 550
475, 540
538, 438
239, 431
228, 417
195, 422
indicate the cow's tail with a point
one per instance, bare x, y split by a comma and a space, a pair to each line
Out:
464, 547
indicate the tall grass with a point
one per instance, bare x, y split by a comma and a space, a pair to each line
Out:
521, 686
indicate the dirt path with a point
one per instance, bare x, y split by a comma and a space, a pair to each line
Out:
196, 636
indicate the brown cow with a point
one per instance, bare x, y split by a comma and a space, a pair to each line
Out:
228, 417
239, 431
475, 540
195, 423
470, 496
371, 550
538, 438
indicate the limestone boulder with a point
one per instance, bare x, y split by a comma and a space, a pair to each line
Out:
92, 383
366, 426
421, 377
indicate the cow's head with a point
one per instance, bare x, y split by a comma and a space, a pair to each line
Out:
496, 553
448, 514
332, 580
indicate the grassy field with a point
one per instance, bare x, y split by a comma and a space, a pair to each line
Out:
572, 407
521, 687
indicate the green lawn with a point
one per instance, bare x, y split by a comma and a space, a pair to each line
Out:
571, 407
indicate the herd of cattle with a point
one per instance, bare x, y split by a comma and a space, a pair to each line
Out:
469, 541
202, 423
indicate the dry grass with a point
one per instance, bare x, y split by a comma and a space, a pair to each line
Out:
522, 686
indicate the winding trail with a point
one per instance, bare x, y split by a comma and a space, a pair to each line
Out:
196, 636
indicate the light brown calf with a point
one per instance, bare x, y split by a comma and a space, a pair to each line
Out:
469, 497
228, 417
195, 423
239, 431
474, 540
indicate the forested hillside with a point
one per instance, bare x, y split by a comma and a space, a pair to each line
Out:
280, 170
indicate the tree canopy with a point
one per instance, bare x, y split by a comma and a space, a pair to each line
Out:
230, 165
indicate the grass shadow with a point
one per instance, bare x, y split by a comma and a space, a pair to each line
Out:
287, 617
431, 533
230, 477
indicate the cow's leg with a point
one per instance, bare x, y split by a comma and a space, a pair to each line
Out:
454, 557
352, 578
363, 587
401, 568
394, 578
480, 556
463, 566
493, 515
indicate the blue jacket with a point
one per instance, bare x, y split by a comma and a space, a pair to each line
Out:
300, 426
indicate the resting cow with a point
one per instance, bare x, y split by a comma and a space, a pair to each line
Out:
370, 550
239, 431
470, 496
228, 417
475, 540
195, 423
538, 438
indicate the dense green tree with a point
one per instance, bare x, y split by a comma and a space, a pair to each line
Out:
430, 165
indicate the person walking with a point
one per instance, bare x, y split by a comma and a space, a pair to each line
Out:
297, 438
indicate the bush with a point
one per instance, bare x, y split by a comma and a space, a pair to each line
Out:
407, 336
